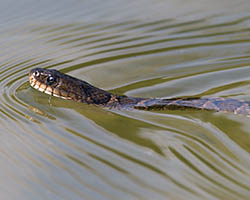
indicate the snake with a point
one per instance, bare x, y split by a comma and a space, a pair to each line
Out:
58, 84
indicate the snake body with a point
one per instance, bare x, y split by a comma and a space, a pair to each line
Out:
55, 83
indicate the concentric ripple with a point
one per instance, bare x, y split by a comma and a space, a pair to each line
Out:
57, 149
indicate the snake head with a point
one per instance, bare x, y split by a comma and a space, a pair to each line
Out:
45, 80
39, 77
55, 83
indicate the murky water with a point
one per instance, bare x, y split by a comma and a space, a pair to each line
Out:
56, 149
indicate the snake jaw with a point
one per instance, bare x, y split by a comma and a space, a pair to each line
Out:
37, 80
33, 81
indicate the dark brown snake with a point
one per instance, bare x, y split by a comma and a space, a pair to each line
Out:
57, 84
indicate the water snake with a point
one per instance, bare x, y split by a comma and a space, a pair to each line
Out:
55, 83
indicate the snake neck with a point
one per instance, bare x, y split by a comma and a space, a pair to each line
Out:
84, 92
97, 96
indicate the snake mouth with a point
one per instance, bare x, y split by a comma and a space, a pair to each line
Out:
40, 86
33, 82
34, 76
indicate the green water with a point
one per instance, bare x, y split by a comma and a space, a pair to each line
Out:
56, 149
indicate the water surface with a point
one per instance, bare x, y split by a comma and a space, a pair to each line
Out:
57, 149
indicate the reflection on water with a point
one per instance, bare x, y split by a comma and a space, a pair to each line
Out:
57, 149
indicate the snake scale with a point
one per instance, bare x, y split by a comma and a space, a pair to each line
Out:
55, 83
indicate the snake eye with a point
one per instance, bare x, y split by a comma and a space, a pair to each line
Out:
50, 80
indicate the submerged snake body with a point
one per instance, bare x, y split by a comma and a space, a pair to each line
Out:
57, 84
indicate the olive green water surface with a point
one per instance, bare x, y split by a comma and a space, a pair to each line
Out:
56, 149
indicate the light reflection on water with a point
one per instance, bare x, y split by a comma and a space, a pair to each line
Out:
57, 149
